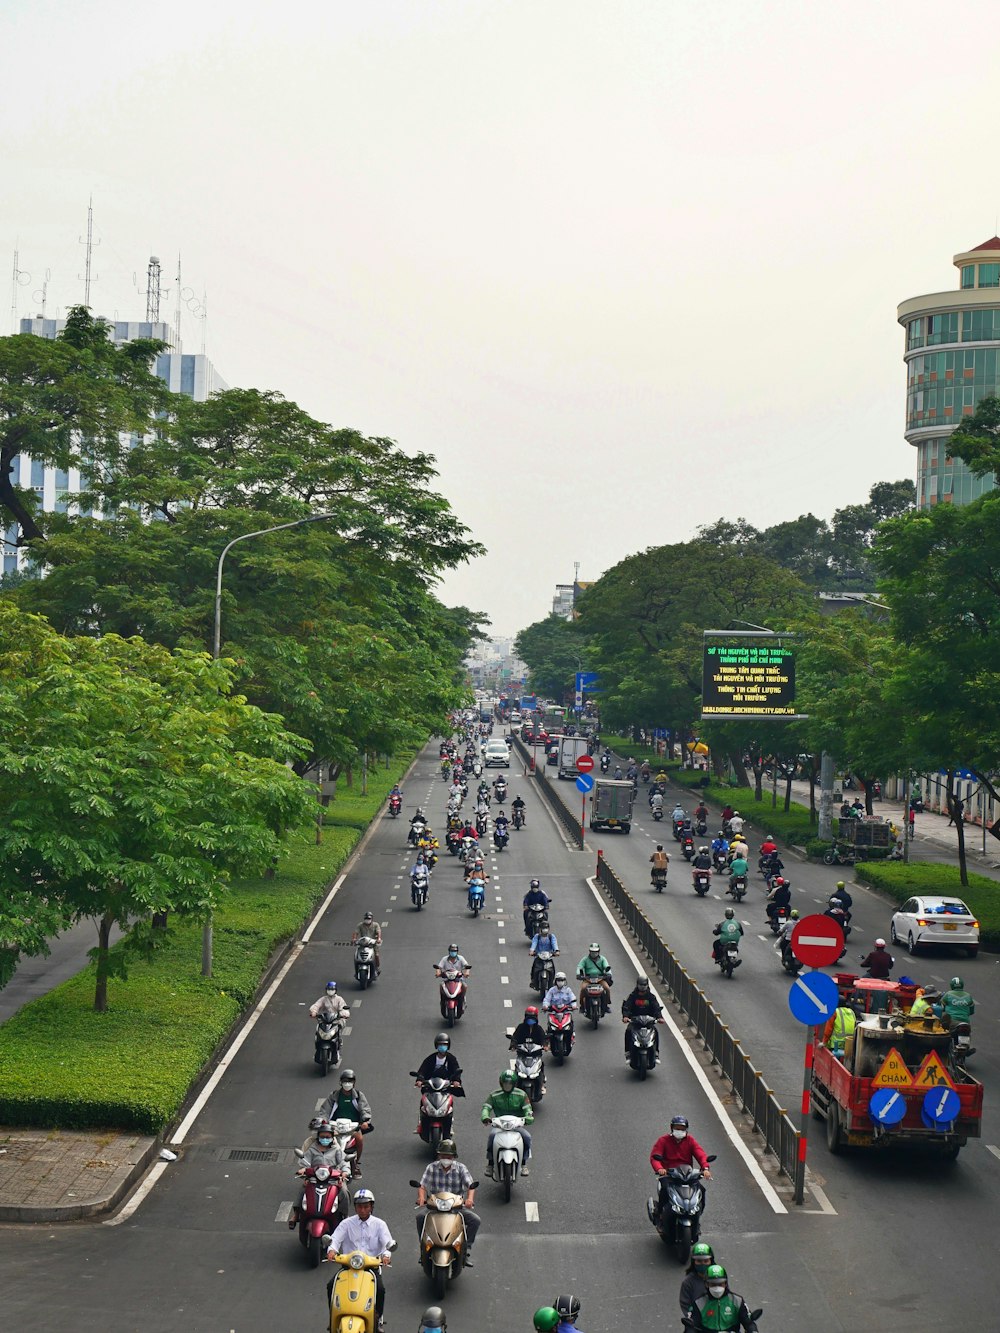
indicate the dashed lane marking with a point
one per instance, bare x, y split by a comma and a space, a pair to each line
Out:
990, 1147
501, 941
508, 1004
504, 981
392, 897
502, 958
530, 1212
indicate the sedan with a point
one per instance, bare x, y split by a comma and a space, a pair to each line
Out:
552, 752
930, 920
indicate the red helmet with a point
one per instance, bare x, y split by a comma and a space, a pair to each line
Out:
779, 882
531, 1011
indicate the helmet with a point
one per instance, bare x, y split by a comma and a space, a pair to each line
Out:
347, 1076
835, 901
642, 983
323, 1127
679, 1122
840, 884
780, 881
364, 1195
659, 846
545, 1319
560, 978
595, 948
794, 914
702, 1251
880, 943
442, 1039
535, 884
433, 1321
531, 1012
729, 914
703, 849
453, 948
368, 917
568, 1307
446, 1148
956, 983
717, 1272
331, 986
506, 1076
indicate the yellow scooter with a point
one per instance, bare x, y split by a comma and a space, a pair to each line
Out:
352, 1308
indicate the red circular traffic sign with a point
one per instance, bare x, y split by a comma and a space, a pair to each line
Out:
585, 763
817, 940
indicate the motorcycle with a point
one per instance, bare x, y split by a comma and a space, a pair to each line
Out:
352, 1306
343, 1136
961, 1043
327, 1054
729, 958
595, 1001
839, 856
529, 1072
605, 763
561, 1034
773, 871
678, 828
701, 828
689, 1323
477, 769
843, 921
543, 971
437, 1108
687, 846
416, 832
419, 885
777, 920
444, 1246
395, 805
702, 880
468, 849
477, 896
643, 1054
720, 862
500, 790
508, 1151
737, 887
790, 963
453, 992
533, 914
453, 841
481, 825
657, 813
517, 818
658, 878
319, 1209
676, 1214
500, 838
364, 962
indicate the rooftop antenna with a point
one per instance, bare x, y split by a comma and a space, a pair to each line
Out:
89, 243
180, 304
41, 295
19, 278
153, 290
204, 317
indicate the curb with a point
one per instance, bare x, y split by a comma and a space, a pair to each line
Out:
80, 1212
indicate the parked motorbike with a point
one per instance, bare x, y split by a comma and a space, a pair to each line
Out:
327, 1054
529, 1070
444, 1246
595, 1001
658, 878
319, 1209
702, 881
543, 971
352, 1306
729, 958
364, 962
500, 838
508, 1151
561, 1033
676, 1213
437, 1108
839, 856
737, 887
395, 805
453, 994
642, 1053
477, 895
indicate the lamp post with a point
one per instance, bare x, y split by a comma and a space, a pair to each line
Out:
206, 934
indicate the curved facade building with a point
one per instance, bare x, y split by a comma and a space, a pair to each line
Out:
952, 361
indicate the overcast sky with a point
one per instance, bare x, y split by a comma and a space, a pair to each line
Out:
620, 266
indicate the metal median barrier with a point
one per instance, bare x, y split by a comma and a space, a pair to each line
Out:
565, 816
756, 1099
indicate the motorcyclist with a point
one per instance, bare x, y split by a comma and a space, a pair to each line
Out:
879, 962
956, 1002
518, 804
846, 901
702, 859
500, 825
508, 1100
529, 1029
720, 1308
534, 898
738, 869
397, 791
785, 937
701, 813
348, 1102
544, 941
330, 1003
728, 930
418, 818
453, 961
568, 1310
559, 995
322, 1151
720, 849
594, 967
448, 1174
737, 822
780, 896
371, 1236
420, 874
660, 860
738, 849
768, 847
641, 1002
545, 1320
618, 775
474, 865
441, 1064
656, 799
694, 1284
370, 929
645, 770
433, 1321
676, 1148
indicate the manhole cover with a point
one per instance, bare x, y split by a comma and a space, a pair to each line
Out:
251, 1155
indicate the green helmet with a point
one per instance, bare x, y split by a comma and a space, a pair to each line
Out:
701, 1250
716, 1272
956, 983
546, 1318
506, 1076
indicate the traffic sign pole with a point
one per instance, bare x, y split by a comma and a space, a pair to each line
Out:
813, 996
800, 1166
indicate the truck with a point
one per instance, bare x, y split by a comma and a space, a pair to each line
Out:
611, 804
570, 750
909, 1061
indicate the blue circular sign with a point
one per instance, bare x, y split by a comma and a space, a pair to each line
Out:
941, 1107
584, 782
887, 1106
813, 998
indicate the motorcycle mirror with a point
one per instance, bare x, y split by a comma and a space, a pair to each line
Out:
712, 1157
756, 1314
474, 1185
392, 1246
415, 1184
298, 1151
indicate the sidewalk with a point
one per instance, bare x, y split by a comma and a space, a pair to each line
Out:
49, 1175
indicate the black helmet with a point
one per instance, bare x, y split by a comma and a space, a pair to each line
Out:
568, 1307
535, 884
679, 1122
442, 1039
347, 1076
433, 1321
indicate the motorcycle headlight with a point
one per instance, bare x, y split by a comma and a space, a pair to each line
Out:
357, 1261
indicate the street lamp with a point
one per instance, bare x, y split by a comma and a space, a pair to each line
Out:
206, 934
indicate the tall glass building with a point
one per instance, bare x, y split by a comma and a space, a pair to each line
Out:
952, 352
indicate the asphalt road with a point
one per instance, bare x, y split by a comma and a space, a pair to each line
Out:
204, 1251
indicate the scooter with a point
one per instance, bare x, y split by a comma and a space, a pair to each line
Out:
605, 762
529, 1071
777, 920
961, 1043
395, 805
701, 828
453, 991
437, 1108
534, 913
687, 846
508, 1151
453, 841
789, 962
343, 1136
595, 1000
500, 838
444, 1245
702, 881
839, 856
729, 958
517, 818
720, 862
677, 826
319, 1209
658, 878
689, 1323
364, 962
500, 790
327, 1054
561, 1033
416, 832
657, 813
676, 1214
419, 885
468, 849
543, 971
737, 887
477, 895
481, 825
643, 1055
352, 1307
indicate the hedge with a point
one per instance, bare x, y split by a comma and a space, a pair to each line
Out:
900, 881
625, 746
62, 1065
793, 826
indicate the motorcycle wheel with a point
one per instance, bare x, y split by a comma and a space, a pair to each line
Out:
560, 1054
828, 858
727, 971
315, 1252
475, 909
642, 1069
363, 980
450, 1018
682, 1248
326, 1060
439, 1282
434, 1137
507, 1180
595, 1015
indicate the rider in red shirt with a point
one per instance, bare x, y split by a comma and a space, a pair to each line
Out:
768, 846
678, 1148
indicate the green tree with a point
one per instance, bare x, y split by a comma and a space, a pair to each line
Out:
553, 650
132, 780
977, 440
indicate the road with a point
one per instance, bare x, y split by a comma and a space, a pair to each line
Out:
204, 1252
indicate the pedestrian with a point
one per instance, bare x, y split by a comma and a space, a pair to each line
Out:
913, 819
957, 805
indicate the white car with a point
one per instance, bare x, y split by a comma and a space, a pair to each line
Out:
930, 919
515, 718
496, 754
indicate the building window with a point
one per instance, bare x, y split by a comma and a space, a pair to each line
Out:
989, 275
968, 275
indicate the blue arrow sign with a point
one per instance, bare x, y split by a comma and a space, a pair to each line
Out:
941, 1107
887, 1106
813, 998
584, 782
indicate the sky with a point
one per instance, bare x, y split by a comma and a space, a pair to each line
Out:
621, 266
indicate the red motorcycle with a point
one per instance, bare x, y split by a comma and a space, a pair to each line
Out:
437, 1108
561, 1033
319, 1209
395, 805
453, 991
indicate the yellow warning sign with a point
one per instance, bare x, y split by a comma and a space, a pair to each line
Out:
893, 1072
932, 1073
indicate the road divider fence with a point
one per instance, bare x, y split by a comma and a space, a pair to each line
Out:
565, 816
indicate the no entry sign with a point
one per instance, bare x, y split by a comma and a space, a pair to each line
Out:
817, 940
585, 763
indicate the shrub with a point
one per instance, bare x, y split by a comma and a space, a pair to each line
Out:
899, 882
815, 847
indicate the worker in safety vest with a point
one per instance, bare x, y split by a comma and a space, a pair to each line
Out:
839, 1026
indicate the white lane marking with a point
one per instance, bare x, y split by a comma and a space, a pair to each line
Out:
137, 1198
307, 935
752, 1165
762, 937
346, 1031
501, 924
284, 1211
388, 909
504, 981
355, 1004
825, 1206
508, 1004
501, 941
530, 1212
994, 1150
392, 897
502, 958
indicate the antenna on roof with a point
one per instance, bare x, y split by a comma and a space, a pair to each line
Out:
153, 290
89, 243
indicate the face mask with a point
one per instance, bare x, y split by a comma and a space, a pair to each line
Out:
346, 1087
679, 1133
717, 1291
442, 1050
529, 1021
325, 1142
